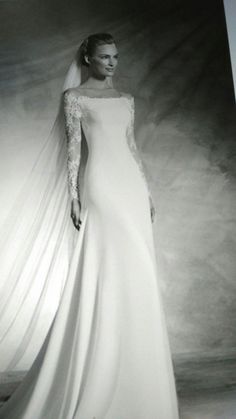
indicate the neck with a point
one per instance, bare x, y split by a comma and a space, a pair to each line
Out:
96, 83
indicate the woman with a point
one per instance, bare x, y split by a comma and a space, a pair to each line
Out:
107, 354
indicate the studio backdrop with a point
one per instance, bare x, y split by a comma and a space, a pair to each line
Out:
174, 59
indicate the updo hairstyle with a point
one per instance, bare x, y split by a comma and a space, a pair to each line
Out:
89, 45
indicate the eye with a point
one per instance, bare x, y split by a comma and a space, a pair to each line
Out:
107, 56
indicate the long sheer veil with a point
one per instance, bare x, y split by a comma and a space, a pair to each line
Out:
36, 246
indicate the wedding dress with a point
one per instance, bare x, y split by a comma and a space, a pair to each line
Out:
106, 355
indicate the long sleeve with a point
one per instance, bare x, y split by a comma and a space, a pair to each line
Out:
73, 133
133, 146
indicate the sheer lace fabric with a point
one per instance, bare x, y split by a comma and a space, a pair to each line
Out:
73, 133
132, 144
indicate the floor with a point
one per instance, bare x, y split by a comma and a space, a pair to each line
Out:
220, 405
206, 387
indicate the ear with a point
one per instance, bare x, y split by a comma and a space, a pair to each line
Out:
87, 60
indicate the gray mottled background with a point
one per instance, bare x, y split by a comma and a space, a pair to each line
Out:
174, 58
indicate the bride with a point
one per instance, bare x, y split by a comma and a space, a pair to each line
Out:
107, 354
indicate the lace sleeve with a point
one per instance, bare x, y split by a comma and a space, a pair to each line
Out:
73, 133
133, 147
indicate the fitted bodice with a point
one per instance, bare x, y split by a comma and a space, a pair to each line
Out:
104, 119
108, 125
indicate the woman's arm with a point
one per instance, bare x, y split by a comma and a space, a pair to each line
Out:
73, 133
133, 147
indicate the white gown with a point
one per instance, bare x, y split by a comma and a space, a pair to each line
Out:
107, 354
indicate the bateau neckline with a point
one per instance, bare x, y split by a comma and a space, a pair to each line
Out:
102, 97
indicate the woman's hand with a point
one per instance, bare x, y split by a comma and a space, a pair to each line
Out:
152, 209
75, 213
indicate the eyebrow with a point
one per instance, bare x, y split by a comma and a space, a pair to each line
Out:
108, 54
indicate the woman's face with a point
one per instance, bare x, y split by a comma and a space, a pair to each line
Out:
104, 61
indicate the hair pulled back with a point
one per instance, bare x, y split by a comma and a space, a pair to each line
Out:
90, 44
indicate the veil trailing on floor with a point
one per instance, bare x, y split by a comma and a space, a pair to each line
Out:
36, 246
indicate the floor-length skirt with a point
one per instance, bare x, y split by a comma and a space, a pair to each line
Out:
107, 353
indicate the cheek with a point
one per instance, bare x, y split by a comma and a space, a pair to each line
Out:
100, 64
103, 64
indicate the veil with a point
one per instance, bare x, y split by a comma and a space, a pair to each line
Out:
36, 246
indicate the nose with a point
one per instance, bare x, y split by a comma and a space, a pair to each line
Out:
111, 62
